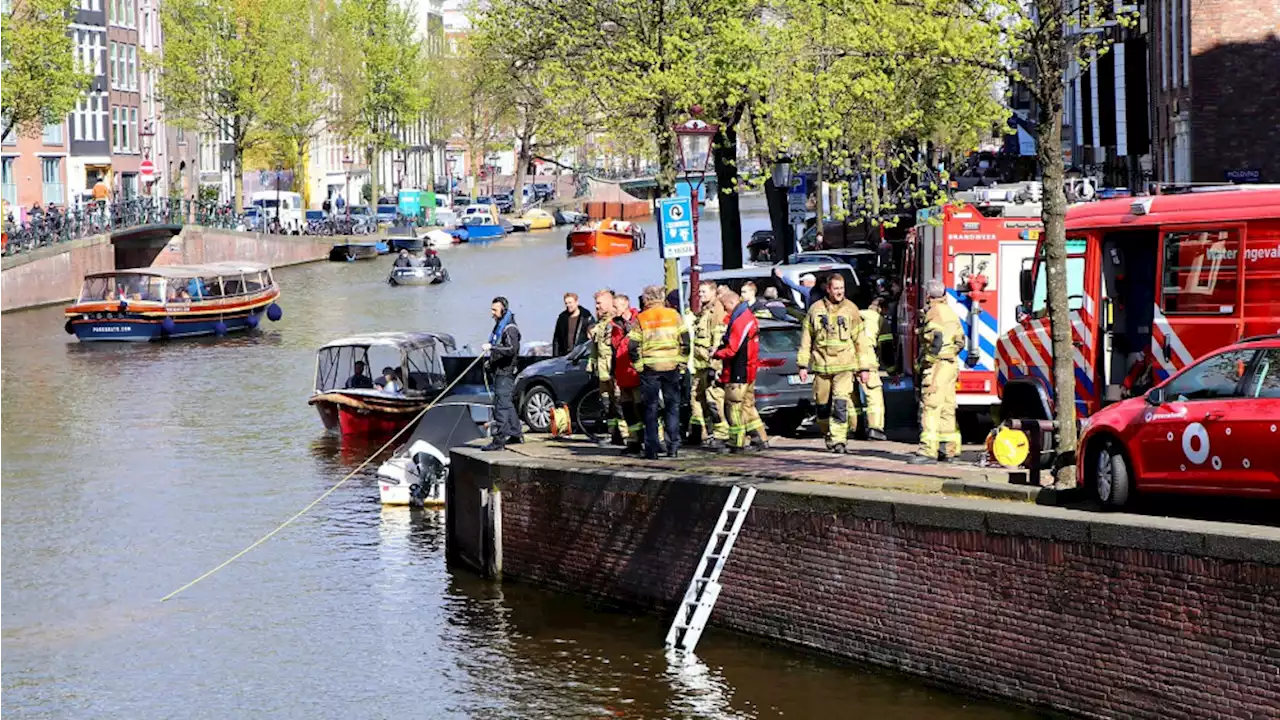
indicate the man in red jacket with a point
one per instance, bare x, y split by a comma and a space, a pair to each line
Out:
740, 351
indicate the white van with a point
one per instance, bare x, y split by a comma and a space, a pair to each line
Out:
290, 211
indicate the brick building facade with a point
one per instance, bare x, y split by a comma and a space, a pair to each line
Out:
1215, 89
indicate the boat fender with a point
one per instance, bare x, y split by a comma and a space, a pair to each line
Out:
274, 312
220, 328
167, 325
67, 326
253, 319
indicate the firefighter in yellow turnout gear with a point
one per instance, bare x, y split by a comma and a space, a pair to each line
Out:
830, 348
601, 365
870, 398
941, 340
706, 417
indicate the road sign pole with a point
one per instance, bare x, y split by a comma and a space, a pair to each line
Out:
694, 275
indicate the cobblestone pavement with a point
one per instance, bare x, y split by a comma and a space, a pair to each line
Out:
879, 465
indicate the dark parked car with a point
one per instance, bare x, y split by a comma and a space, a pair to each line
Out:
544, 191
783, 401
504, 202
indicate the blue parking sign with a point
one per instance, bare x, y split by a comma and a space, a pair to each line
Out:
675, 215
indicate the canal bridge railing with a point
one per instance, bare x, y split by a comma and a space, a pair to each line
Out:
55, 226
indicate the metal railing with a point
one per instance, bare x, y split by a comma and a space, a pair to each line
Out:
56, 225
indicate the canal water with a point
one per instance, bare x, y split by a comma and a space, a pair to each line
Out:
128, 470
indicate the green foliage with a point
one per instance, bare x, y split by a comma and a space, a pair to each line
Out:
41, 79
223, 64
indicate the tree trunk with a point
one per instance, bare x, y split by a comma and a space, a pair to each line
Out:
725, 155
783, 234
237, 175
375, 178
522, 165
1054, 213
666, 180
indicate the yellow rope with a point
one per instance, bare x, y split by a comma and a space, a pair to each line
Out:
337, 485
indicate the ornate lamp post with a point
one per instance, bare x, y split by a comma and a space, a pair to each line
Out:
695, 137
782, 182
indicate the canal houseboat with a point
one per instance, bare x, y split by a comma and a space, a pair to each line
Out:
157, 303
376, 384
608, 237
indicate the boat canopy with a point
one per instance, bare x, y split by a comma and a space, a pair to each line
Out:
402, 340
189, 271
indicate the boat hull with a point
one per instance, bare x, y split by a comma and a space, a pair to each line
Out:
417, 276
484, 232
368, 416
600, 242
348, 252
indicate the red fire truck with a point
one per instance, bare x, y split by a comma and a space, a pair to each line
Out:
976, 247
1153, 283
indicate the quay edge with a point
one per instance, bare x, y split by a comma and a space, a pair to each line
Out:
1086, 613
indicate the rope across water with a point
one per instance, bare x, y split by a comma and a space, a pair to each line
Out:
336, 485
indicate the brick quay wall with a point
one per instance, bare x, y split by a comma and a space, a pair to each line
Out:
1092, 614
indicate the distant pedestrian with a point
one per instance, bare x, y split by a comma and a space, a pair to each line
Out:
658, 348
327, 207
571, 326
340, 203
740, 353
503, 349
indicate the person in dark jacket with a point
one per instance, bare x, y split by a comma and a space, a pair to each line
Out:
503, 349
571, 326
403, 260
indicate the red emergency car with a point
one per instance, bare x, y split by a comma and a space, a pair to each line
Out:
1211, 428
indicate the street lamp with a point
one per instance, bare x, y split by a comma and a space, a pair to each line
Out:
695, 137
782, 183
347, 161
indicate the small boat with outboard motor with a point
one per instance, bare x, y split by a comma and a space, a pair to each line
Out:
415, 474
608, 237
173, 301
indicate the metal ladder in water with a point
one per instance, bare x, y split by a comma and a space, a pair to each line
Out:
703, 590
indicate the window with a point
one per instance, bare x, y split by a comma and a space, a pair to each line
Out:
51, 174
132, 73
9, 184
1075, 279
100, 121
77, 122
10, 138
1215, 377
1201, 271
100, 54
52, 134
1265, 382
115, 69
115, 130
133, 130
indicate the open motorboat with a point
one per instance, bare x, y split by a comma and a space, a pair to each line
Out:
352, 393
404, 237
478, 228
416, 473
439, 239
608, 237
569, 217
418, 276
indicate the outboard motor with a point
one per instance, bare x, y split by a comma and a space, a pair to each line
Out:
431, 470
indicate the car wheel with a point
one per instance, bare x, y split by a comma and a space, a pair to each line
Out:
537, 408
1111, 482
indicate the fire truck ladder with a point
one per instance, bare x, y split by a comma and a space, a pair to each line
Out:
703, 590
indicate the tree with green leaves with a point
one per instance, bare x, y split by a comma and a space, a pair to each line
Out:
41, 80
222, 66
379, 70
299, 109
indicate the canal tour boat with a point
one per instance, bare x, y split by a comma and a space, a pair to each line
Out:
357, 401
157, 303
608, 237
